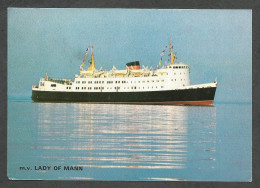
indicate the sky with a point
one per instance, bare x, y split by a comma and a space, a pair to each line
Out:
214, 43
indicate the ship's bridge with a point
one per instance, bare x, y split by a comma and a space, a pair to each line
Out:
179, 66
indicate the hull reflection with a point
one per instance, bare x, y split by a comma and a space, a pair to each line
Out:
114, 136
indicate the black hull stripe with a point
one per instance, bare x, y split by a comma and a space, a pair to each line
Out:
169, 96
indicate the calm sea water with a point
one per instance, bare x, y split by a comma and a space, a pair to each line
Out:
129, 142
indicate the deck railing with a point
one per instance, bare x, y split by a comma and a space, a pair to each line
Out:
59, 81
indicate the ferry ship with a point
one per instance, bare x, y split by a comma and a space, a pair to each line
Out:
168, 84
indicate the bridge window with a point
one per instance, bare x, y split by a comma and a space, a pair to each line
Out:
53, 85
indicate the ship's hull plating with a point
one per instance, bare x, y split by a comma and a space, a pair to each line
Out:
198, 96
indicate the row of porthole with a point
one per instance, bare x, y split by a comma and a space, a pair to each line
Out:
180, 73
111, 82
117, 82
96, 88
133, 87
128, 88
139, 88
176, 80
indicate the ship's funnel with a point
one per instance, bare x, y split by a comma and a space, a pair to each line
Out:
133, 65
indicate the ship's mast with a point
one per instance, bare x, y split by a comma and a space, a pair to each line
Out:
173, 57
92, 66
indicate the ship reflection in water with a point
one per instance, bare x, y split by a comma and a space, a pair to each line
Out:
132, 142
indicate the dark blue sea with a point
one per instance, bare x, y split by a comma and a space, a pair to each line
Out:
129, 142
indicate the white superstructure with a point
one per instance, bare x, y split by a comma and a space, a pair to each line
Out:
170, 77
